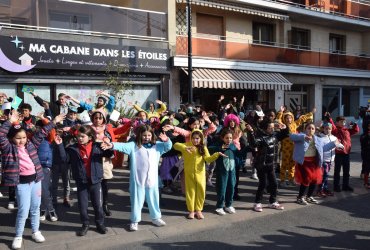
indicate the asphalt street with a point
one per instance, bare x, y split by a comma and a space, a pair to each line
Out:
343, 224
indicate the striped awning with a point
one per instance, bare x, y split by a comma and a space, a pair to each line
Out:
238, 79
217, 4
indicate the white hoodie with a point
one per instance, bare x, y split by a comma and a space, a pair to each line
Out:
328, 155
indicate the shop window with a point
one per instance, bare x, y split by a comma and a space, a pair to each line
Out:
8, 89
300, 38
43, 92
141, 94
337, 44
263, 33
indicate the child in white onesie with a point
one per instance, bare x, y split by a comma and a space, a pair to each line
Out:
144, 156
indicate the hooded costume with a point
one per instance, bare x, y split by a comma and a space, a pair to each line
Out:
144, 176
287, 146
156, 113
195, 175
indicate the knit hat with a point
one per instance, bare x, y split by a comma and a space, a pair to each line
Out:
102, 112
229, 118
103, 98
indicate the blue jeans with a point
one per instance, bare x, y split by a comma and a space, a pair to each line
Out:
46, 198
325, 169
29, 199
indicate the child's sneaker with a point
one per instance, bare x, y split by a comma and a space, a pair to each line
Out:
38, 237
312, 200
11, 205
328, 193
276, 206
17, 243
53, 216
254, 176
134, 227
159, 222
1, 195
42, 215
220, 211
367, 185
301, 201
257, 207
321, 193
230, 210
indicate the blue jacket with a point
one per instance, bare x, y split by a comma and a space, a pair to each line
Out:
45, 153
301, 146
72, 156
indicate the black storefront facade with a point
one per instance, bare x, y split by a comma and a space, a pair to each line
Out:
52, 63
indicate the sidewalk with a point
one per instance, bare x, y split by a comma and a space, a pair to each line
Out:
61, 234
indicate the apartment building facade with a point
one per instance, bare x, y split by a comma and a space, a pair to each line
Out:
308, 53
67, 46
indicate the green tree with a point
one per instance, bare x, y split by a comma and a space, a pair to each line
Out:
119, 87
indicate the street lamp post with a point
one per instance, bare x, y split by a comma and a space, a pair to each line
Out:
190, 64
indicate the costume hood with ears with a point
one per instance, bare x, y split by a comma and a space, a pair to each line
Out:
287, 114
102, 112
229, 118
197, 130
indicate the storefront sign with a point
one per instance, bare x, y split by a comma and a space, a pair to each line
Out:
23, 54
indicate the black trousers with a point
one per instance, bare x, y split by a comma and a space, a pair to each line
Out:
95, 192
265, 175
341, 160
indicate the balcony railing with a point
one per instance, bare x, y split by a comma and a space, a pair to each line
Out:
83, 18
352, 9
216, 48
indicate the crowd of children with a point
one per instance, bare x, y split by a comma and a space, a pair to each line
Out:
77, 137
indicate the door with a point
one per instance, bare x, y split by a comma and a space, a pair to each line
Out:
331, 100
292, 100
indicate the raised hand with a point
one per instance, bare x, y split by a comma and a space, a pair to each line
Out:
163, 137
40, 115
221, 98
106, 145
159, 102
222, 154
14, 116
58, 140
314, 110
167, 128
190, 149
282, 108
59, 118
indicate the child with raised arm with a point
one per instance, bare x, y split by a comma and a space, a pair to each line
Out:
86, 160
144, 155
308, 155
22, 169
265, 142
195, 156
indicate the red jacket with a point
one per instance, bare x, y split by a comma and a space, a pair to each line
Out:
344, 136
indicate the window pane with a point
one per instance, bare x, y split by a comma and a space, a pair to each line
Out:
43, 92
330, 102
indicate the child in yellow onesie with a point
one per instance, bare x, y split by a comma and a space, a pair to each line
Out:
287, 146
195, 155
